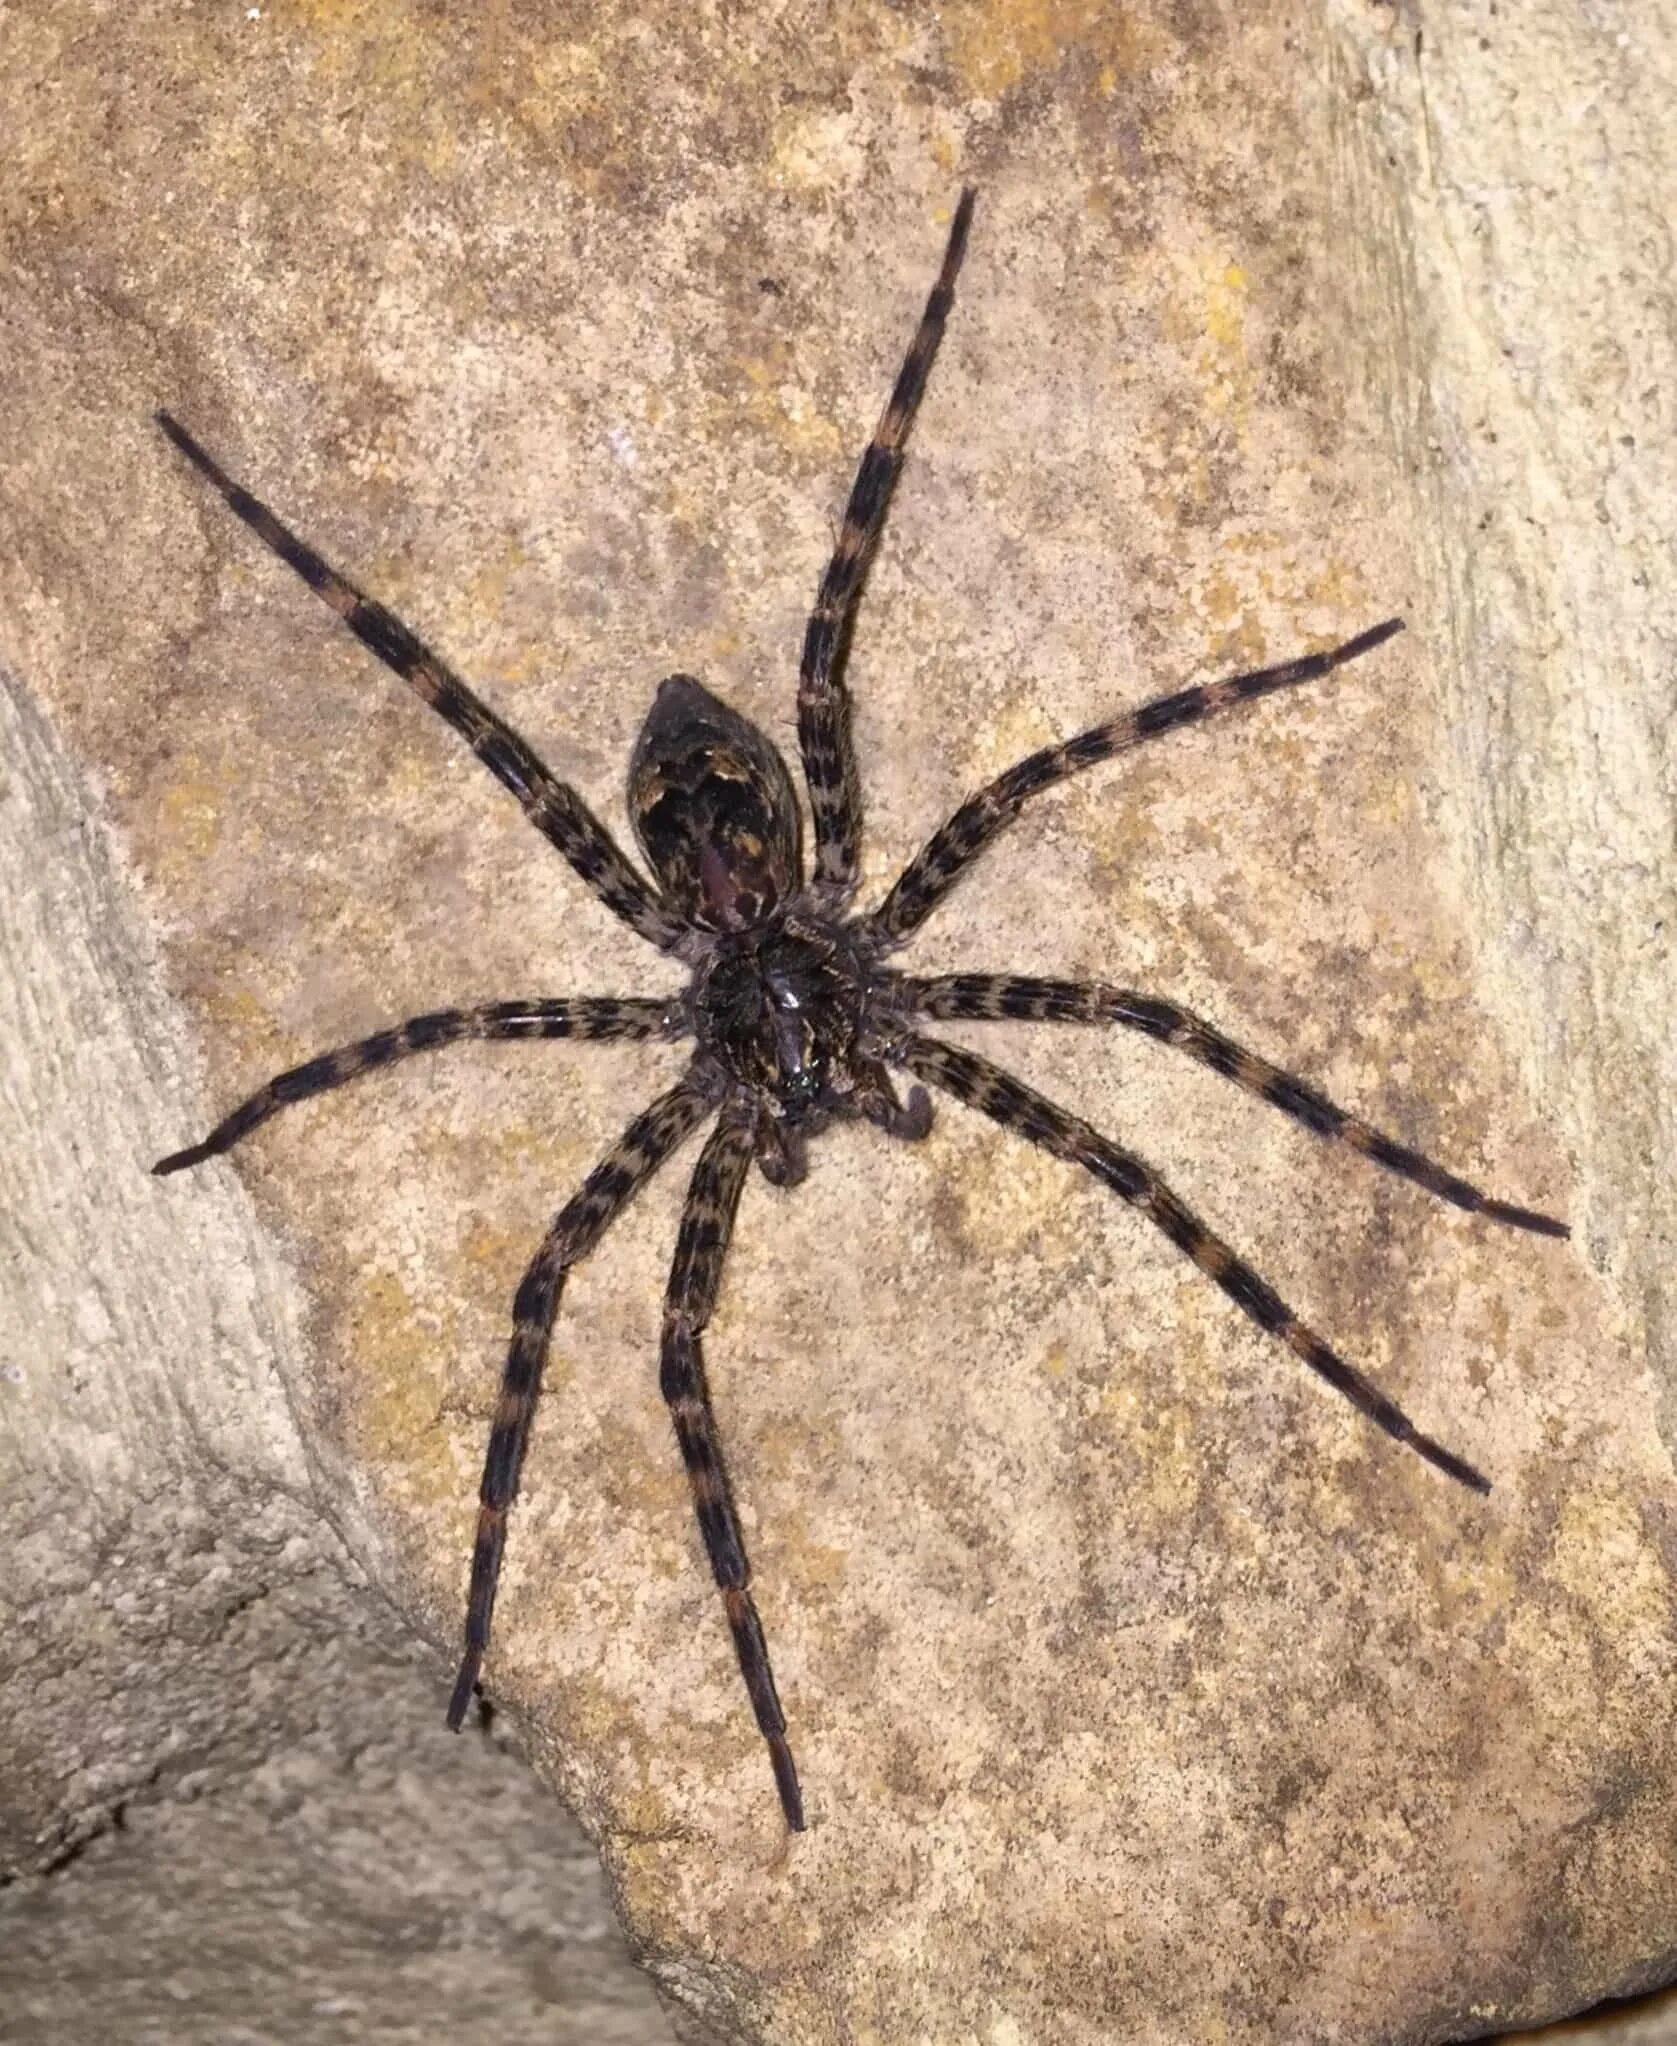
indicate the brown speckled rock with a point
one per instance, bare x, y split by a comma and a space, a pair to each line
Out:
1140, 1691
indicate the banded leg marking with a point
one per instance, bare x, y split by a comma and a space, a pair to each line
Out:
578, 1226
1017, 1107
992, 996
823, 706
706, 1224
584, 1016
953, 847
553, 806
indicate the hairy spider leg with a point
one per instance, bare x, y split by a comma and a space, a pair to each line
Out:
981, 818
1017, 1107
578, 1226
593, 1017
987, 997
823, 704
556, 810
707, 1222
877, 1100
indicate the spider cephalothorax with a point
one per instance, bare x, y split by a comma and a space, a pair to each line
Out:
794, 1014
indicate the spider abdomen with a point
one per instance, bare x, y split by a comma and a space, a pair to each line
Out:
714, 809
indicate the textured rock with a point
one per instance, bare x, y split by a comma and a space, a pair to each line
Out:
1140, 1691
358, 1875
227, 1801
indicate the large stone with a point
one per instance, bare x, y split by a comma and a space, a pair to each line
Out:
1141, 1691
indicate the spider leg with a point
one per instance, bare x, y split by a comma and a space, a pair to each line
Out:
578, 1226
981, 818
1017, 1107
823, 706
706, 1224
986, 996
782, 1150
876, 1098
586, 1016
556, 810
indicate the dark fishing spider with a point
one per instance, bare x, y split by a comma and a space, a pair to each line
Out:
795, 1015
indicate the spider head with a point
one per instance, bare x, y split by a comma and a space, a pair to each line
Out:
780, 1009
713, 809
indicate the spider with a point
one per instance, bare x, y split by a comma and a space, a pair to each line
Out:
795, 1016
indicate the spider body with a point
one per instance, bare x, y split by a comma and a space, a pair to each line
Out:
782, 1009
795, 1015
779, 1005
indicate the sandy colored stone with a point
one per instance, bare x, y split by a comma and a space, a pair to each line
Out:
1140, 1691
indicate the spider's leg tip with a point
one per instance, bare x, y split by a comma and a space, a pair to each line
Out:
465, 1685
1442, 1459
1527, 1218
178, 1161
1366, 642
786, 1782
1524, 1218
1463, 1472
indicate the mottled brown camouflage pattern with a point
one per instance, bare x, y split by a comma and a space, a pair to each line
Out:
794, 1015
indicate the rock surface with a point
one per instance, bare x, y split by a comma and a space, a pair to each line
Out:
228, 1808
1140, 1691
350, 1874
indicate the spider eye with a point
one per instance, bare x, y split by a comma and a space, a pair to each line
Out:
799, 1090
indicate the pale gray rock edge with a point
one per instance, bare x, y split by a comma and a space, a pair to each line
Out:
221, 1751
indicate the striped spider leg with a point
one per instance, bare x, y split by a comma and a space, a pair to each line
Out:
823, 706
987, 997
686, 726
990, 997
575, 1230
580, 1224
553, 806
706, 1224
948, 854
1017, 1107
982, 818
595, 1018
